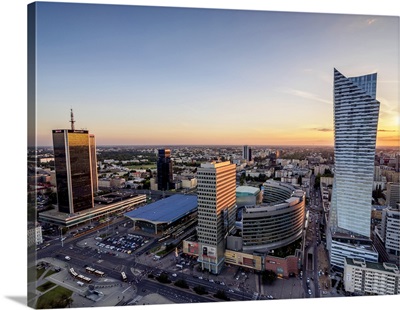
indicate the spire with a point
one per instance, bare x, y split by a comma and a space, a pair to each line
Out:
72, 120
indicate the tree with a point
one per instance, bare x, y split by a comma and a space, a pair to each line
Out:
201, 290
221, 295
181, 283
268, 277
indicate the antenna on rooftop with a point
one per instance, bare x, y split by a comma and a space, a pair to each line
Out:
72, 120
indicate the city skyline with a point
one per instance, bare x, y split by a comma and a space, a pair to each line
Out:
206, 76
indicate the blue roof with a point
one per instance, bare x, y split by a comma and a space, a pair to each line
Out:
166, 210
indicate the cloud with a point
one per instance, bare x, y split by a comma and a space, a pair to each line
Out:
306, 95
322, 129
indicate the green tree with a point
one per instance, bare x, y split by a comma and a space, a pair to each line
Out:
201, 290
221, 295
268, 277
181, 283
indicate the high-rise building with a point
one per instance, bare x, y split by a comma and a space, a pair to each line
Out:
74, 173
393, 194
247, 153
216, 207
164, 170
93, 159
356, 112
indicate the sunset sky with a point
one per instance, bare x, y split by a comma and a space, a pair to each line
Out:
168, 76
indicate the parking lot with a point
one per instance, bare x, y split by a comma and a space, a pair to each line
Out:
127, 244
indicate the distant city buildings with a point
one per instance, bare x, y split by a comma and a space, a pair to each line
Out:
216, 199
164, 170
356, 112
247, 153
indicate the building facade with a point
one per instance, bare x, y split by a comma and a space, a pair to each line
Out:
356, 113
269, 227
247, 153
216, 207
73, 166
93, 158
362, 277
164, 170
393, 194
387, 236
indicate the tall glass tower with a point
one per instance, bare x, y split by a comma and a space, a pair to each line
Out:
356, 112
73, 166
164, 170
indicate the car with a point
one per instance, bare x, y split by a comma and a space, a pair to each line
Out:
174, 274
231, 290
309, 292
308, 280
270, 297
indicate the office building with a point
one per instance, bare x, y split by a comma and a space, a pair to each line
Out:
362, 277
93, 159
393, 194
247, 153
164, 170
274, 224
73, 166
356, 112
387, 236
216, 207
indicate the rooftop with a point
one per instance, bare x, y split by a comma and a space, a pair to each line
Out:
166, 210
247, 190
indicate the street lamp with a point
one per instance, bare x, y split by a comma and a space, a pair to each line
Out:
61, 237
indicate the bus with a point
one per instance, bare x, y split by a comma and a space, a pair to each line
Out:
99, 273
90, 269
124, 277
73, 272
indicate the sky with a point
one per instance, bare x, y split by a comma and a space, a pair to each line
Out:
13, 62
169, 76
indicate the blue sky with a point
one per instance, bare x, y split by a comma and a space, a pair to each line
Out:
14, 97
154, 75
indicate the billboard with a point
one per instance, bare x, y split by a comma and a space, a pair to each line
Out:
209, 251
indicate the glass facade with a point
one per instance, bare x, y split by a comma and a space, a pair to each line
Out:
356, 114
73, 170
164, 170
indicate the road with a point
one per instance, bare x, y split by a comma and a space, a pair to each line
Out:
87, 255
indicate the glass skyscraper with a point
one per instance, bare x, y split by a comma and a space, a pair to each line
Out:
164, 170
73, 166
356, 112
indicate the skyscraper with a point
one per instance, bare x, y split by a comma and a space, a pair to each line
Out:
356, 112
73, 166
216, 209
93, 159
164, 170
247, 152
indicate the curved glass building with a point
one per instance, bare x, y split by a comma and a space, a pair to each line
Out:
276, 223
